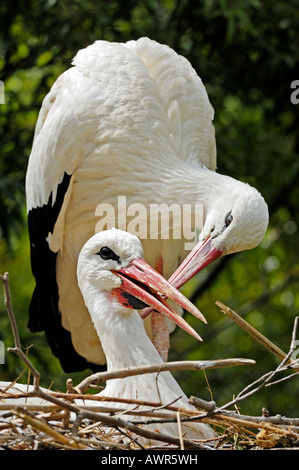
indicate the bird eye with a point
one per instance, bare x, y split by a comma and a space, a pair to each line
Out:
106, 253
228, 219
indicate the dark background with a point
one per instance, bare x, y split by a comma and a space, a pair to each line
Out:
247, 56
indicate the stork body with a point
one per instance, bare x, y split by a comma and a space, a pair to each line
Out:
129, 120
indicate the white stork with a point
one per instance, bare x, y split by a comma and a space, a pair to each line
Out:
115, 281
134, 120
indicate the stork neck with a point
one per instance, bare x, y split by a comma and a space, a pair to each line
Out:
189, 183
122, 335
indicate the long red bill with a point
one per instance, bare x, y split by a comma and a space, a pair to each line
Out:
140, 281
199, 257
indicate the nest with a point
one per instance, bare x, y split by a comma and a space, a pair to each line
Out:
34, 418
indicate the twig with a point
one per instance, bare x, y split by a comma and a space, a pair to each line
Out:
253, 332
17, 344
223, 414
294, 335
178, 418
201, 404
283, 379
166, 366
7, 301
100, 415
43, 427
262, 381
100, 443
250, 423
117, 422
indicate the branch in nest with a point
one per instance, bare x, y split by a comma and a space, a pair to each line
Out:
212, 414
100, 377
258, 336
98, 417
260, 383
41, 426
17, 348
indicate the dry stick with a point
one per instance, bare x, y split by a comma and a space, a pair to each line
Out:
249, 423
167, 417
119, 422
100, 443
287, 426
43, 427
235, 419
116, 422
201, 404
112, 421
262, 381
294, 335
17, 348
178, 417
276, 420
100, 377
156, 410
254, 333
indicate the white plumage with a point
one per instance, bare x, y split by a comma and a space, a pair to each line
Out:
121, 330
128, 119
110, 268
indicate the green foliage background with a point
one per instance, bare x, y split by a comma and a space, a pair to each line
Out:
247, 54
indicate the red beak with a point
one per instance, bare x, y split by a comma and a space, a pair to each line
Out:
142, 287
201, 256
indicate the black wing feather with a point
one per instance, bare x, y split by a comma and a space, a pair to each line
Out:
44, 313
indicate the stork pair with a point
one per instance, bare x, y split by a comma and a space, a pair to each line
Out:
129, 119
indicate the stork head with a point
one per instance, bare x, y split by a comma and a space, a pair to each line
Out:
111, 263
235, 221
